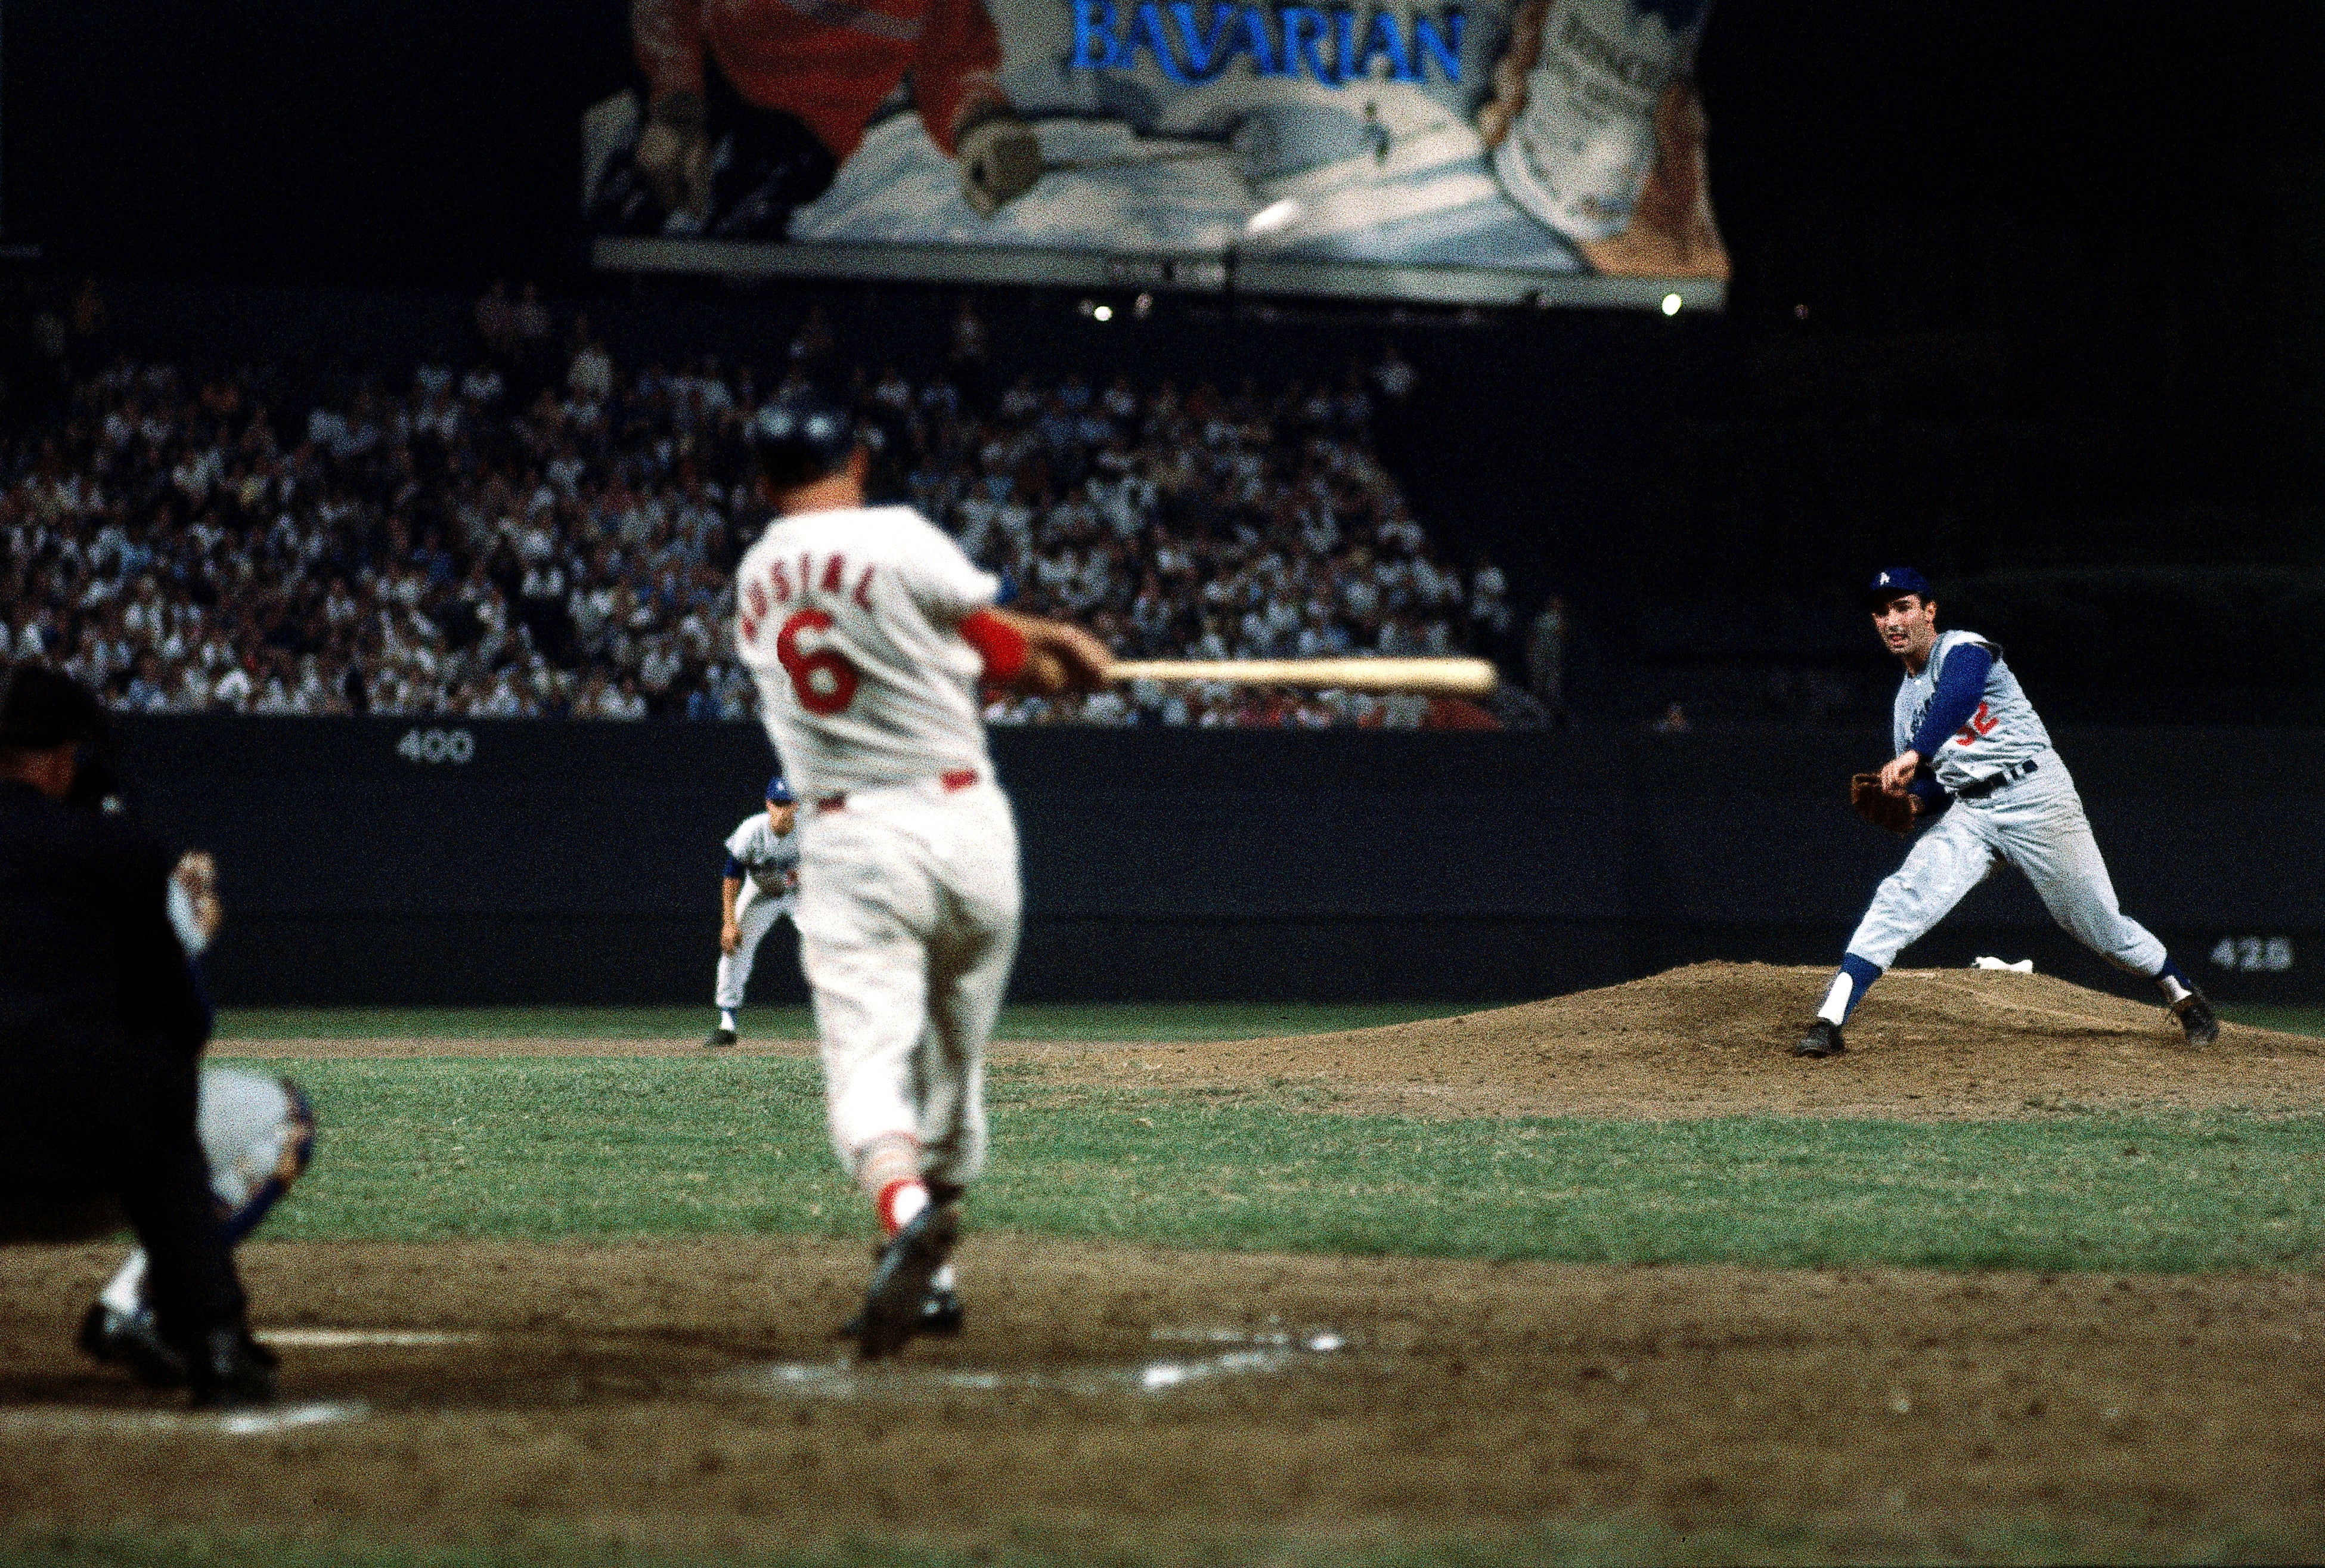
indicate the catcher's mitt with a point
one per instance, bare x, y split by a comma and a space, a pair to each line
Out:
1878, 806
197, 874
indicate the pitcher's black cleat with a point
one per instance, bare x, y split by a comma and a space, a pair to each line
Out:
1823, 1039
2197, 1019
718, 1037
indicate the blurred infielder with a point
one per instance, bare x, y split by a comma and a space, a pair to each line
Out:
1974, 760
868, 633
759, 886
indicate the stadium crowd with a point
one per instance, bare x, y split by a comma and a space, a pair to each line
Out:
540, 534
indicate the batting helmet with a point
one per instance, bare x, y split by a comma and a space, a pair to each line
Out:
801, 436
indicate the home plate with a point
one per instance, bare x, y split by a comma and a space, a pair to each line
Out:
359, 1339
62, 1421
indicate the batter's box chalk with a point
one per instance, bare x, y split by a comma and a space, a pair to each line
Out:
62, 1421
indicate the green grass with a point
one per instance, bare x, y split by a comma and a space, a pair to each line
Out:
601, 1148
1036, 1021
2292, 1020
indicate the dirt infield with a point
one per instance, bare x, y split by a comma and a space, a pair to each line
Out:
681, 1395
1711, 1039
1163, 1406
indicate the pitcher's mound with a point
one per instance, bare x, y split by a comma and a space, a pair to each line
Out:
1715, 1039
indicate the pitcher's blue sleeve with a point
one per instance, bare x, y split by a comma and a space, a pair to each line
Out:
1956, 698
1932, 795
734, 872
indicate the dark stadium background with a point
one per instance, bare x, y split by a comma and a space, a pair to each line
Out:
2057, 264
2023, 294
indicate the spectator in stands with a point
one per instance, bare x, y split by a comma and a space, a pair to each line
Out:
1394, 376
496, 318
573, 545
1546, 657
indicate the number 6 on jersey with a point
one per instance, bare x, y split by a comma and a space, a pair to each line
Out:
824, 680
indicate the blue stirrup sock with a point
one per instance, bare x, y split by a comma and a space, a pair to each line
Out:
1849, 988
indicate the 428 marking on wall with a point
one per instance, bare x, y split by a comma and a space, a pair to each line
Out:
433, 745
2271, 955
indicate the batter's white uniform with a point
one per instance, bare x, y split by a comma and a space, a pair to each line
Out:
2014, 802
909, 900
770, 863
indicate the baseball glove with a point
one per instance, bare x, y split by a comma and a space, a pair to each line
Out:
1878, 806
197, 874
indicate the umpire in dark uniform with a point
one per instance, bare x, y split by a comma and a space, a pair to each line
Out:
102, 1027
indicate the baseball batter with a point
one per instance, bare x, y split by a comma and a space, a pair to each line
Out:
1975, 772
759, 886
869, 633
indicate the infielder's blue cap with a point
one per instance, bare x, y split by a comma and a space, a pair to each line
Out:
778, 791
1892, 580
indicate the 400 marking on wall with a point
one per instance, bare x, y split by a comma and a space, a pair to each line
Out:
436, 746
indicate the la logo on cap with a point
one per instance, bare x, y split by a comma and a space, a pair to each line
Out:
1885, 580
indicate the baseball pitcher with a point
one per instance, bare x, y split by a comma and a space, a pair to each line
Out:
1976, 774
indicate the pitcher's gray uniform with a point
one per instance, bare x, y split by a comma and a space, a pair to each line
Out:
1998, 793
768, 864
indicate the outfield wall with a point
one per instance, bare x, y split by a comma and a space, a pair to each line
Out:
386, 861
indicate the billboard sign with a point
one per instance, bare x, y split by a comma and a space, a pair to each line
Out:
1554, 150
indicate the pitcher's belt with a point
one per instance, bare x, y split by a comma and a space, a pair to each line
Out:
1986, 786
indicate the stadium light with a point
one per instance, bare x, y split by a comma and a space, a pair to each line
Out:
1104, 312
1275, 215
1671, 304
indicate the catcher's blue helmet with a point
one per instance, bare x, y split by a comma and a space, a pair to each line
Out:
800, 435
778, 791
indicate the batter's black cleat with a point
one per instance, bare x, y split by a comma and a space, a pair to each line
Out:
2197, 1019
232, 1371
941, 1314
941, 1317
720, 1036
128, 1339
895, 1302
1823, 1039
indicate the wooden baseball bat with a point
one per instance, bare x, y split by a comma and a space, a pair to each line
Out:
1432, 677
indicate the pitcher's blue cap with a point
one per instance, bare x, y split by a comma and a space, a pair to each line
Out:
1892, 580
778, 791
